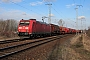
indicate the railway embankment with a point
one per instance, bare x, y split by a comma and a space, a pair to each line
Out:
75, 48
78, 48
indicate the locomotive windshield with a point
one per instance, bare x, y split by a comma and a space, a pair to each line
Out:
24, 23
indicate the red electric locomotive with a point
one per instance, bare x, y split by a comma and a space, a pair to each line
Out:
33, 28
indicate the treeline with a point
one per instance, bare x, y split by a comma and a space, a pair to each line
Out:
8, 28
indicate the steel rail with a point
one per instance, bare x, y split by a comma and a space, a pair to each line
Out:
9, 41
7, 54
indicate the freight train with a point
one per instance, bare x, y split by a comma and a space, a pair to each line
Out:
32, 28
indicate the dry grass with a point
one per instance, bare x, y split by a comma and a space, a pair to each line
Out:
82, 47
73, 49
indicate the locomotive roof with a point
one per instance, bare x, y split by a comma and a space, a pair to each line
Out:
29, 19
32, 19
36, 21
42, 22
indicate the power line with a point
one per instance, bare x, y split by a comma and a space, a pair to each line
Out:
24, 7
55, 9
32, 6
60, 12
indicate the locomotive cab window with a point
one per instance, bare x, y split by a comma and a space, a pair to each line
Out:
24, 23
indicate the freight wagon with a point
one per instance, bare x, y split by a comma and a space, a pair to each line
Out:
54, 29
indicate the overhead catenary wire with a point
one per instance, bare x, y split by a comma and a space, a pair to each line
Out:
32, 6
25, 7
55, 9
59, 11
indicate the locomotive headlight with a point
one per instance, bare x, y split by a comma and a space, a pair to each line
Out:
20, 28
26, 27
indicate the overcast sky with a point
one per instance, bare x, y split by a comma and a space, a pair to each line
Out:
60, 9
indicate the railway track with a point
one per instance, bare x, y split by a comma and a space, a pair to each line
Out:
10, 50
14, 40
12, 43
9, 41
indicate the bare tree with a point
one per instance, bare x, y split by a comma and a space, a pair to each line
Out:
8, 27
